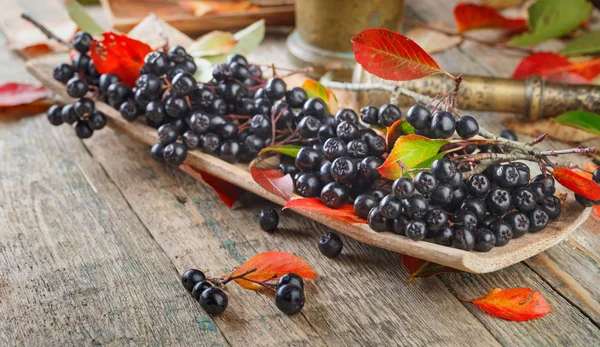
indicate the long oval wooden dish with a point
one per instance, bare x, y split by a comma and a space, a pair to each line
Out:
499, 257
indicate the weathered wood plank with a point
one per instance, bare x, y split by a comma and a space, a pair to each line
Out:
76, 265
359, 299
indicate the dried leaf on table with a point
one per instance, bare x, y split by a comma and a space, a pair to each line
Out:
577, 183
587, 121
227, 192
29, 41
423, 268
273, 181
587, 43
271, 265
214, 43
551, 126
474, 16
12, 94
201, 8
556, 68
516, 304
433, 41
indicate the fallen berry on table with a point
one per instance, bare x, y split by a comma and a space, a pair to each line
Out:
268, 220
331, 245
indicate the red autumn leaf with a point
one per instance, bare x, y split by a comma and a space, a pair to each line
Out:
274, 182
13, 94
397, 129
345, 213
473, 16
423, 268
227, 192
516, 304
119, 54
392, 56
554, 67
270, 265
577, 183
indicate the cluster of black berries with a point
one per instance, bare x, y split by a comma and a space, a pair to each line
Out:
585, 201
441, 124
289, 292
78, 77
212, 299
481, 212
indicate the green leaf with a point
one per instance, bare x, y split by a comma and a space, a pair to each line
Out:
82, 19
587, 43
249, 38
212, 44
314, 88
550, 19
204, 68
412, 150
583, 120
289, 150
407, 128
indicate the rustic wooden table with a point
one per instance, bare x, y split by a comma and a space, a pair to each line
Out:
94, 237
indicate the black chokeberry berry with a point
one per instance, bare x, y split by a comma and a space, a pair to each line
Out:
346, 115
467, 127
82, 130
55, 115
539, 191
315, 107
474, 205
416, 230
63, 72
289, 299
390, 207
498, 201
295, 97
343, 169
463, 238
156, 63
268, 220
552, 206
308, 127
97, 120
77, 87
335, 195
487, 220
442, 195
508, 134
506, 176
210, 143
167, 134
290, 278
363, 205
538, 218
456, 180
478, 185
199, 288
376, 144
524, 173
347, 131
388, 114
176, 107
502, 231
485, 240
443, 169
175, 153
377, 222
419, 116
425, 182
400, 224
443, 236
369, 114
519, 223
183, 84
357, 149
213, 300
465, 218
334, 148
129, 110
458, 196
308, 185
308, 159
367, 169
106, 80
191, 277
156, 152
403, 188
442, 124
325, 172
547, 182
81, 41
436, 219
416, 206
325, 132
330, 245
596, 175
81, 63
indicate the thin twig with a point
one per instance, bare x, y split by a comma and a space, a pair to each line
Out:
44, 30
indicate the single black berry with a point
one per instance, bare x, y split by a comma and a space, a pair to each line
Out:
290, 278
97, 120
465, 218
330, 245
456, 181
419, 116
524, 173
268, 220
458, 196
367, 169
343, 169
539, 191
275, 88
377, 222
478, 185
416, 230
347, 131
63, 72
506, 176
334, 148
346, 115
425, 182
400, 224
442, 124
55, 115
295, 97
467, 127
442, 195
183, 84
308, 185
363, 205
199, 288
538, 218
474, 205
77, 87
210, 143
129, 110
156, 63
175, 153
191, 277
81, 63
596, 175
357, 149
463, 238
485, 240
81, 41
213, 300
552, 206
289, 299
308, 159
508, 134
335, 195
325, 172
388, 114
416, 206
308, 127
315, 107
502, 231
443, 236
369, 114
390, 207
443, 169
157, 152
376, 144
436, 219
498, 201
548, 183
82, 130
403, 188
519, 223
167, 133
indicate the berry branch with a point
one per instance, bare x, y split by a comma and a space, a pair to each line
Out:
46, 32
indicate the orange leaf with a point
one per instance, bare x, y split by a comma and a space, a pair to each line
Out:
554, 67
119, 54
473, 16
227, 192
274, 182
597, 210
516, 304
423, 268
345, 213
270, 264
577, 183
397, 129
392, 56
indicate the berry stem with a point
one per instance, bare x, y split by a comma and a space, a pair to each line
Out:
45, 30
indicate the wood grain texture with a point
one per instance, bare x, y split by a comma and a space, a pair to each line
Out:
76, 265
476, 262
